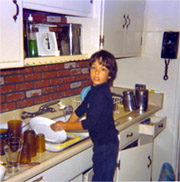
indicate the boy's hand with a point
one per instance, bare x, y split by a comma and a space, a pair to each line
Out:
58, 126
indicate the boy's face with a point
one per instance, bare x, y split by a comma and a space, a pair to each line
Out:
98, 73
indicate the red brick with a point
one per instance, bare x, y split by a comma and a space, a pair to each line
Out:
41, 99
49, 75
7, 88
49, 90
7, 72
8, 107
41, 68
25, 103
33, 76
69, 79
82, 77
56, 66
75, 71
63, 87
82, 63
72, 92
2, 98
63, 73
41, 83
56, 95
24, 86
68, 93
24, 70
56, 81
14, 79
14, 96
86, 83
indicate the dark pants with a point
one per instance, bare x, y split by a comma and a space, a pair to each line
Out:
104, 162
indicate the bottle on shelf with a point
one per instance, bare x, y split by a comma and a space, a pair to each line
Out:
32, 43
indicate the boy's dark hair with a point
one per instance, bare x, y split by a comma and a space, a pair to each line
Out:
106, 59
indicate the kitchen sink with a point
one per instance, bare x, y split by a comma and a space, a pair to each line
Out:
73, 137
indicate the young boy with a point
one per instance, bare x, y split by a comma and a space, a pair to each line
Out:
98, 106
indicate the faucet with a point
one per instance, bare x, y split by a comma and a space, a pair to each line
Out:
68, 110
43, 109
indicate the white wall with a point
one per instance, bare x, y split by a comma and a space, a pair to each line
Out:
160, 16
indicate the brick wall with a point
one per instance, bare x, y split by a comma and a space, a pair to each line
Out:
24, 87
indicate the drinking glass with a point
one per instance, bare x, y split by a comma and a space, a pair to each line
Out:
12, 149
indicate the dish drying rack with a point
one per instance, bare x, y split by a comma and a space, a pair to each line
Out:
117, 101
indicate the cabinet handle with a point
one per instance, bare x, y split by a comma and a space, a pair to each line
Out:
17, 10
129, 135
91, 1
125, 21
150, 161
160, 125
129, 21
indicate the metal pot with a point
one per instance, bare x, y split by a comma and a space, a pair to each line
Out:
129, 101
142, 99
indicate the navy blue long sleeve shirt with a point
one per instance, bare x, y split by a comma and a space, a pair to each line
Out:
98, 106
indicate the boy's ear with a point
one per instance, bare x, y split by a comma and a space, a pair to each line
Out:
109, 77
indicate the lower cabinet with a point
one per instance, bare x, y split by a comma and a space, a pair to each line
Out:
135, 160
70, 169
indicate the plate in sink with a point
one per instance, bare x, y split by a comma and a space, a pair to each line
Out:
42, 125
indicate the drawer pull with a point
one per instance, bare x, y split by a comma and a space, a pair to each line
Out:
161, 125
38, 179
150, 161
129, 135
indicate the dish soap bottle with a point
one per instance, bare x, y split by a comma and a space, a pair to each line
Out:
32, 43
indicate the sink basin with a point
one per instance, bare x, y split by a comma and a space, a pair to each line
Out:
73, 137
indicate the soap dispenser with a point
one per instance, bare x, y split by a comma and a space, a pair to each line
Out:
32, 43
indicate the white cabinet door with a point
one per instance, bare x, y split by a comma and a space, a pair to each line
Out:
134, 28
135, 163
122, 23
11, 34
70, 7
113, 31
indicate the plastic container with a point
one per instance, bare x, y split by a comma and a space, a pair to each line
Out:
32, 43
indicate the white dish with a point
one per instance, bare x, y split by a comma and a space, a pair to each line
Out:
42, 125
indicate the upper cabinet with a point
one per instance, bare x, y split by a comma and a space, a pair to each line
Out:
122, 26
70, 7
11, 34
119, 22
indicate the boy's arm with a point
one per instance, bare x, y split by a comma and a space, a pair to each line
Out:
72, 124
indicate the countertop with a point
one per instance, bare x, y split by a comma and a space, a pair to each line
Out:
50, 159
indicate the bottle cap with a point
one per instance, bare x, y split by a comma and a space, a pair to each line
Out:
30, 18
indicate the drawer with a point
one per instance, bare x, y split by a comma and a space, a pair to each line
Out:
128, 135
153, 126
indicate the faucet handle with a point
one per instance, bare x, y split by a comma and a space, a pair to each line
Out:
68, 110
